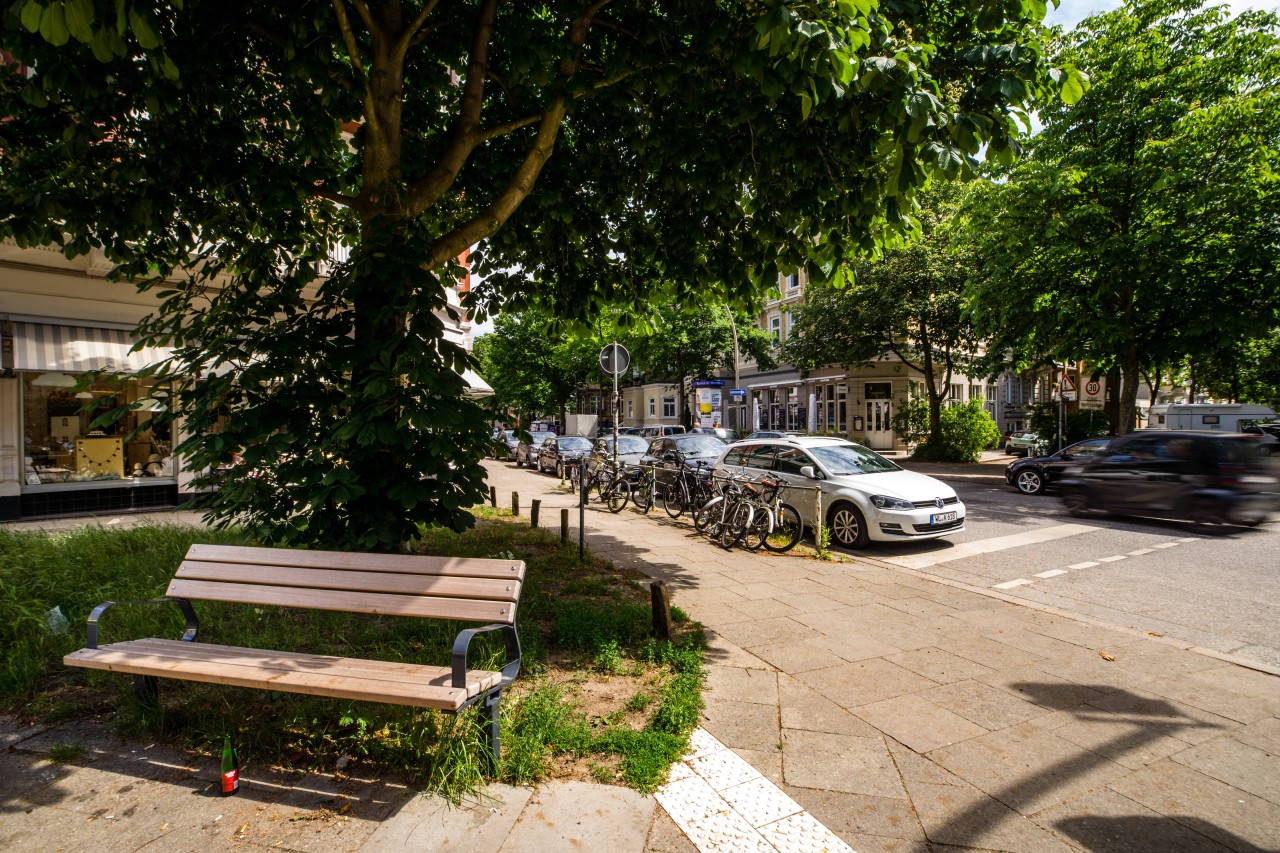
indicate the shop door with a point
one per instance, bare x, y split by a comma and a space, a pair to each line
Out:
879, 415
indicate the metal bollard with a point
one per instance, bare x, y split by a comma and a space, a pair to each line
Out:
515, 503
493, 496
533, 512
564, 525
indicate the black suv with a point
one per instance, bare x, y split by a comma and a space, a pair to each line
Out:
1202, 477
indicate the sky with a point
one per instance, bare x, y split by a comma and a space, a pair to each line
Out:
1071, 12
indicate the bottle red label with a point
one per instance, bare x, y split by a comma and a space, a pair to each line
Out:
230, 781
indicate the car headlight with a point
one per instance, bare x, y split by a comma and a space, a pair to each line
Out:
886, 502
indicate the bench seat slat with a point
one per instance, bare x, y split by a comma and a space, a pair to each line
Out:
349, 561
432, 691
478, 680
404, 584
352, 601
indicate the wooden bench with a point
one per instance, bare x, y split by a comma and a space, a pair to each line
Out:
469, 590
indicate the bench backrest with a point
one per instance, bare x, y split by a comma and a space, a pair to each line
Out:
468, 589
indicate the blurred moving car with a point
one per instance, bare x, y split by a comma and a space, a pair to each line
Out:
527, 451
1021, 444
1202, 477
560, 452
1034, 474
865, 497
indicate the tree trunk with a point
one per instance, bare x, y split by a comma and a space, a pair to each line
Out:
1130, 379
931, 389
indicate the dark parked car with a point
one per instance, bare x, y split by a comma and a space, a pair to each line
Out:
1202, 477
504, 445
527, 451
1034, 474
558, 453
692, 448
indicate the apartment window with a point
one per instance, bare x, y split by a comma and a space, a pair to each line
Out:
991, 393
775, 328
956, 395
793, 281
651, 409
791, 324
668, 407
975, 392
631, 408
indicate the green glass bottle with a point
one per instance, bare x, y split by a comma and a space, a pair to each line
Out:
230, 768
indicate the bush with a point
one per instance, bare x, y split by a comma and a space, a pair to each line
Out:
966, 430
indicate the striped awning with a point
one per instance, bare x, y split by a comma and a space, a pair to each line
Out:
75, 349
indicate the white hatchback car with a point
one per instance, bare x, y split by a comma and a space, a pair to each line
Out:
864, 496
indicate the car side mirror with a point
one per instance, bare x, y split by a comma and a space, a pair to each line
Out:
810, 472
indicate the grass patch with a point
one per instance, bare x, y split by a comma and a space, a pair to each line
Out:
60, 753
575, 711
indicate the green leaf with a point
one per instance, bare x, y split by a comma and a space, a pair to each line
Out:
31, 15
80, 20
1073, 88
806, 105
53, 25
142, 22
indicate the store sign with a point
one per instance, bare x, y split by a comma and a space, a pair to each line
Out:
710, 406
708, 383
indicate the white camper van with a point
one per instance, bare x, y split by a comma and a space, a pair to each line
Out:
1218, 417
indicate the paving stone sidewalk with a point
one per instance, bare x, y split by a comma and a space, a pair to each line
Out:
908, 714
903, 713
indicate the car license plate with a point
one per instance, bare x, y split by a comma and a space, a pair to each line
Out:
942, 517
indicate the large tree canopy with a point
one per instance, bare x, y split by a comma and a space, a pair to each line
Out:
1143, 225
908, 305
594, 150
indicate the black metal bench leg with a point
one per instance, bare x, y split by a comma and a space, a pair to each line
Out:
491, 704
147, 690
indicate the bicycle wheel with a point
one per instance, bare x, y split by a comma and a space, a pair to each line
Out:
616, 494
757, 533
732, 531
643, 496
708, 511
787, 530
673, 499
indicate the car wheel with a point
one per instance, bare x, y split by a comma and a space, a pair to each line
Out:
519, 463
560, 469
1209, 516
1029, 481
1077, 503
847, 525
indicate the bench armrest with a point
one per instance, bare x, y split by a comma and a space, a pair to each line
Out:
460, 645
188, 612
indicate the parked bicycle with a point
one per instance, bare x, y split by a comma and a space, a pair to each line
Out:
688, 489
727, 516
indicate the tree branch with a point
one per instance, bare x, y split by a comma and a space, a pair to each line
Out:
463, 136
348, 36
517, 189
409, 36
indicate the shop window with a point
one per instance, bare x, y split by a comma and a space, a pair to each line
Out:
65, 444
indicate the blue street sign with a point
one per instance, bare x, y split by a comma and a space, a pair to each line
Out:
738, 393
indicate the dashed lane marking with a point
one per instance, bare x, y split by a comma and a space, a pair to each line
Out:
1167, 545
1087, 564
1015, 582
1111, 559
1141, 551
1052, 573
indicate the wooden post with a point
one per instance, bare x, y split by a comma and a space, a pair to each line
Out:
564, 525
515, 503
493, 496
818, 520
533, 512
660, 599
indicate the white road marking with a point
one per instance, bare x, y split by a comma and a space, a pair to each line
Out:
988, 546
1110, 559
1189, 539
723, 803
1168, 545
1087, 564
1141, 551
1011, 584
1052, 573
